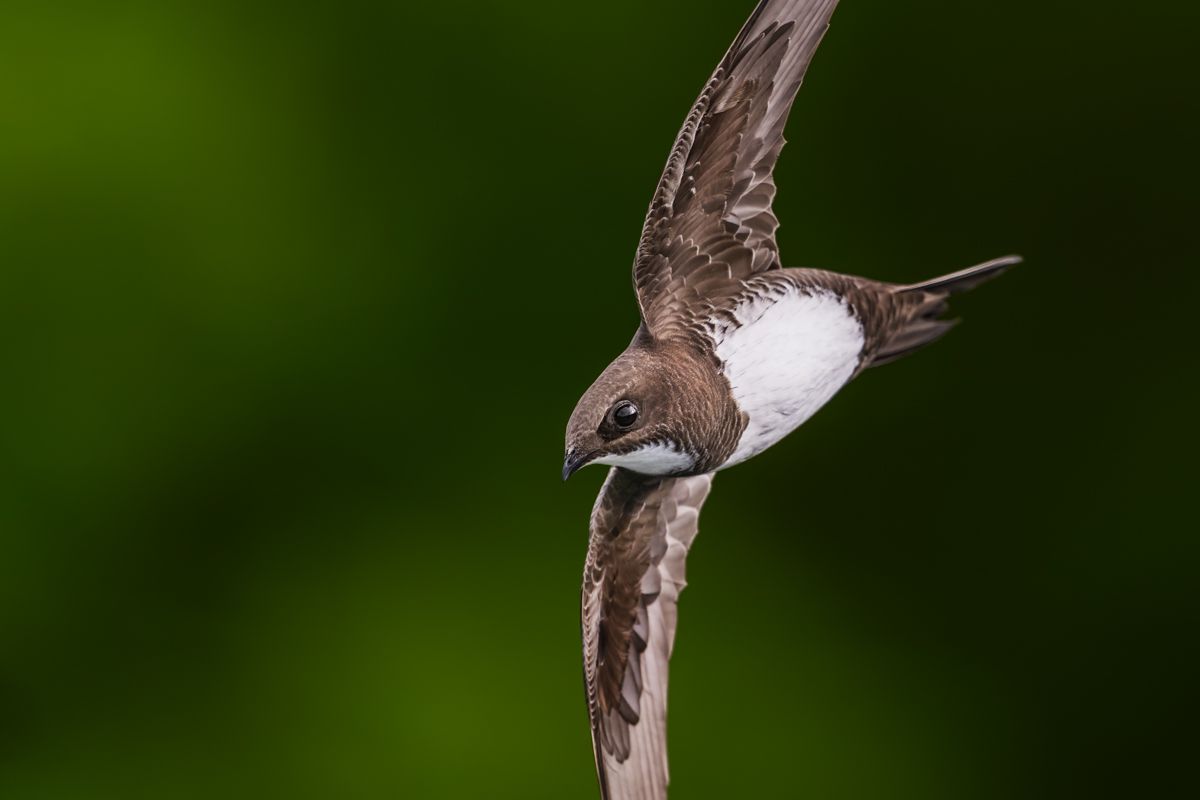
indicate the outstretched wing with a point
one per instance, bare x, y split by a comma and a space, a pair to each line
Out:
642, 528
710, 224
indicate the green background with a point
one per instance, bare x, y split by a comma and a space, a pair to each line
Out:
295, 302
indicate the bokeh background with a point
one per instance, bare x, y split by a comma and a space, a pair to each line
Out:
295, 300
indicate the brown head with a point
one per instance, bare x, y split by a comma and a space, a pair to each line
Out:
659, 409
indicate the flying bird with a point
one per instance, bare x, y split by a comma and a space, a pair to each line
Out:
733, 353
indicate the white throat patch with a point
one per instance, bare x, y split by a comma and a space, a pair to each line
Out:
652, 459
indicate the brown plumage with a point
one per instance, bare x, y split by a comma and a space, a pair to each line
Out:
710, 223
642, 528
733, 352
674, 384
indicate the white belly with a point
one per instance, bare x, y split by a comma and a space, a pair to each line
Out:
791, 354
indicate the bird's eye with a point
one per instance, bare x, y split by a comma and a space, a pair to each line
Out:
625, 414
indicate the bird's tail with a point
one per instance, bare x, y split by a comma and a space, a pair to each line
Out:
965, 279
925, 302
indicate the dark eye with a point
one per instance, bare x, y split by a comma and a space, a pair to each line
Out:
625, 414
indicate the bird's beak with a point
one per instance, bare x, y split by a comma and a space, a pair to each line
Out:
574, 461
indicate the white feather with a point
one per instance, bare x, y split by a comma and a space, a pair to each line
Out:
653, 459
790, 354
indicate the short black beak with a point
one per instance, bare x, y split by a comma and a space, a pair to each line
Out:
573, 462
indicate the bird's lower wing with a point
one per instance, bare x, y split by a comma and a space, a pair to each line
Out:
641, 530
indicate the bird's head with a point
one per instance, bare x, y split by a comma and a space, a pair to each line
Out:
654, 411
628, 418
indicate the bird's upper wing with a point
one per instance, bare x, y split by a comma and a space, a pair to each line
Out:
710, 223
642, 528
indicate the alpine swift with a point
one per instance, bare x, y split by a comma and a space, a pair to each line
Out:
733, 353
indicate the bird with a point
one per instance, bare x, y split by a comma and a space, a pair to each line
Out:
732, 353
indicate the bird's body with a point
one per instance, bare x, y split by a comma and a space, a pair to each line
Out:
789, 350
733, 353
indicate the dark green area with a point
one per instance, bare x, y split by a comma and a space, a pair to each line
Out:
295, 303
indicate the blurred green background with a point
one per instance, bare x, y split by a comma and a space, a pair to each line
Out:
295, 302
